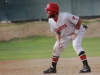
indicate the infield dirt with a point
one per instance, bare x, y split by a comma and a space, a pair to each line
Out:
66, 66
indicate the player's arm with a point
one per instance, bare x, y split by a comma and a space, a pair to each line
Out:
76, 30
58, 36
78, 24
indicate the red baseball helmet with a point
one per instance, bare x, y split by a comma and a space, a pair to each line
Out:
52, 7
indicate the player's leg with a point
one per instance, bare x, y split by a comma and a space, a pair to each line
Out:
56, 53
55, 56
80, 52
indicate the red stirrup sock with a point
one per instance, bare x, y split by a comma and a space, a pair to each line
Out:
54, 61
82, 56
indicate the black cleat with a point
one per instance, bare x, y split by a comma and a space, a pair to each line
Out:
85, 69
50, 70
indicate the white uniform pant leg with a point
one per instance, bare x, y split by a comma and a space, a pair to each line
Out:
56, 50
77, 42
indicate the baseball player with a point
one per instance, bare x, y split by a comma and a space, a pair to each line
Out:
67, 28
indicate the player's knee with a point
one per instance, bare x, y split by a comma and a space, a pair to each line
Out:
76, 46
56, 51
54, 47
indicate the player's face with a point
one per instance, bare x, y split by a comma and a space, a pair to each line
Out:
50, 15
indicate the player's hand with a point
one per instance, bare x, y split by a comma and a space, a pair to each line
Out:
73, 36
59, 43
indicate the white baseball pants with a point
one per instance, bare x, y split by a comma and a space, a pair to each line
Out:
65, 41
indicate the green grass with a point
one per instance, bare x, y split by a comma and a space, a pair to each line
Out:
29, 48
90, 45
41, 47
